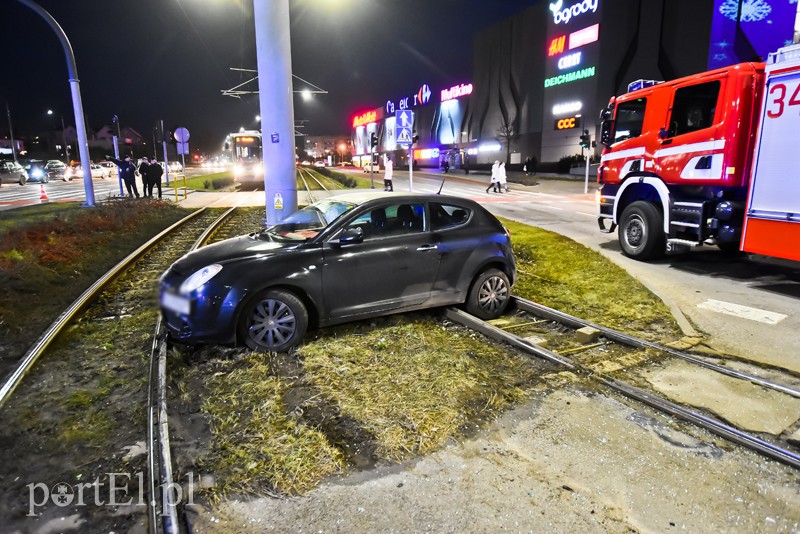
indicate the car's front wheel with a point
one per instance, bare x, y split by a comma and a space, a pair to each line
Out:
274, 321
22, 180
490, 294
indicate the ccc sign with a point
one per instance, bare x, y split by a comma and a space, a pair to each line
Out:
567, 123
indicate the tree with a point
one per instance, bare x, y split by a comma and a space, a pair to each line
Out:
506, 133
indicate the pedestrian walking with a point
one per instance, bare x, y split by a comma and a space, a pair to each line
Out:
154, 174
387, 177
495, 170
526, 168
127, 171
144, 169
446, 166
502, 179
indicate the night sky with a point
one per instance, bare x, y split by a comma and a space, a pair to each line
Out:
148, 59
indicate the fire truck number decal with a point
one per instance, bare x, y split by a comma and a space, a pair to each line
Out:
777, 95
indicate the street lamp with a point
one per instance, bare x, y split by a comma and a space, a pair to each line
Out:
258, 118
341, 153
63, 133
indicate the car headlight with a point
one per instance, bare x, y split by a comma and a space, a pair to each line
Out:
238, 170
37, 173
200, 277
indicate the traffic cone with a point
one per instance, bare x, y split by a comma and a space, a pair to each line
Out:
43, 195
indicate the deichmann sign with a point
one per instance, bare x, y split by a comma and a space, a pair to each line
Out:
566, 124
569, 77
568, 13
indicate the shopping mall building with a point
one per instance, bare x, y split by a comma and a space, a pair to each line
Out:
541, 77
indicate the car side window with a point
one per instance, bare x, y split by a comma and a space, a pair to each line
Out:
391, 220
445, 216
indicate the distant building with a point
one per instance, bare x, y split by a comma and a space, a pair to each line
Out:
104, 138
321, 146
5, 147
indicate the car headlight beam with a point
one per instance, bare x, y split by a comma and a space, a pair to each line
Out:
200, 277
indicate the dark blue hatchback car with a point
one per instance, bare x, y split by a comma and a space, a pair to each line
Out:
346, 258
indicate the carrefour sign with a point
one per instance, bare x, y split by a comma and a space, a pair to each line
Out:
565, 14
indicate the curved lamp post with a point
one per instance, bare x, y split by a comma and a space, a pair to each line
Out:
74, 84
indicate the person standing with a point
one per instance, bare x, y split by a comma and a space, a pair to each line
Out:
154, 174
127, 171
495, 170
144, 169
502, 179
387, 177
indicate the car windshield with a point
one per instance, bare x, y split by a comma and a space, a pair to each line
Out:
308, 222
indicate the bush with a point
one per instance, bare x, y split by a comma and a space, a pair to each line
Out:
220, 183
343, 179
566, 163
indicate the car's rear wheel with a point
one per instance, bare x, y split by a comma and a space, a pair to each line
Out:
275, 321
490, 294
22, 180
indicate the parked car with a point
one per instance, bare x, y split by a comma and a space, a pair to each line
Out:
57, 170
110, 167
37, 171
319, 163
11, 171
406, 252
372, 167
98, 171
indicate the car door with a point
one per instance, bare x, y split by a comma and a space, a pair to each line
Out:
393, 268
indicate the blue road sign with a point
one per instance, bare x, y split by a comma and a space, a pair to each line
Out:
404, 124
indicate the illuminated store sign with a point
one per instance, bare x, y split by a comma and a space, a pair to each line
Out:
569, 77
566, 108
566, 124
569, 61
426, 153
365, 118
457, 91
420, 98
556, 46
568, 13
490, 147
584, 36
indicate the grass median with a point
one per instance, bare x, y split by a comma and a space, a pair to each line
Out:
392, 388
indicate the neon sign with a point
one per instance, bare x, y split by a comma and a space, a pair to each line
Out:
584, 36
426, 153
556, 46
365, 118
567, 107
566, 124
569, 61
457, 91
568, 13
569, 77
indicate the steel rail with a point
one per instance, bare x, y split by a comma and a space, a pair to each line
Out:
708, 423
631, 341
313, 177
158, 419
311, 199
86, 298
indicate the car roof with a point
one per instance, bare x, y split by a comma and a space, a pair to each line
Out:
362, 197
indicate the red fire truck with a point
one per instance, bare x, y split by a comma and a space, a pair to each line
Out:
712, 158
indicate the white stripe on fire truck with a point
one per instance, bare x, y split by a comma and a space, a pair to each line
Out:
623, 154
688, 149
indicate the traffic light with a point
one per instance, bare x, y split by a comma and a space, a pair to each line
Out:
414, 137
585, 139
373, 140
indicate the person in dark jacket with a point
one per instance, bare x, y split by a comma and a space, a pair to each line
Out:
144, 169
127, 171
154, 172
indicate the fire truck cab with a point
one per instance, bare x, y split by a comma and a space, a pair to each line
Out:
675, 166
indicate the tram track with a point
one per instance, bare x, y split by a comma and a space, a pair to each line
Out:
79, 401
552, 327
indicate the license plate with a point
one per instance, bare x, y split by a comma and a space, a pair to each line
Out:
176, 303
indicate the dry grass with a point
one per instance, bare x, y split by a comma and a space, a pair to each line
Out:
558, 272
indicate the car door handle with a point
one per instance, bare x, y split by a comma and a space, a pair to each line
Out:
424, 248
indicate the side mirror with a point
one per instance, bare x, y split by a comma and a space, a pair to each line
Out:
663, 133
351, 236
607, 128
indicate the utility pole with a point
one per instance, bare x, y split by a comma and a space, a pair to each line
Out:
274, 59
116, 136
77, 104
11, 133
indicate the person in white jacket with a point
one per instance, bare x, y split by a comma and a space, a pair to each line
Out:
387, 177
502, 179
495, 171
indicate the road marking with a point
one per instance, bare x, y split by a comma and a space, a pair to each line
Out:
744, 312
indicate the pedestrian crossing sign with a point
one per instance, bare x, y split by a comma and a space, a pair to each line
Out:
404, 136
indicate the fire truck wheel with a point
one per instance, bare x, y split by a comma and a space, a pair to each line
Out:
640, 234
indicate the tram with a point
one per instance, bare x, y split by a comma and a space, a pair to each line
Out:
245, 153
